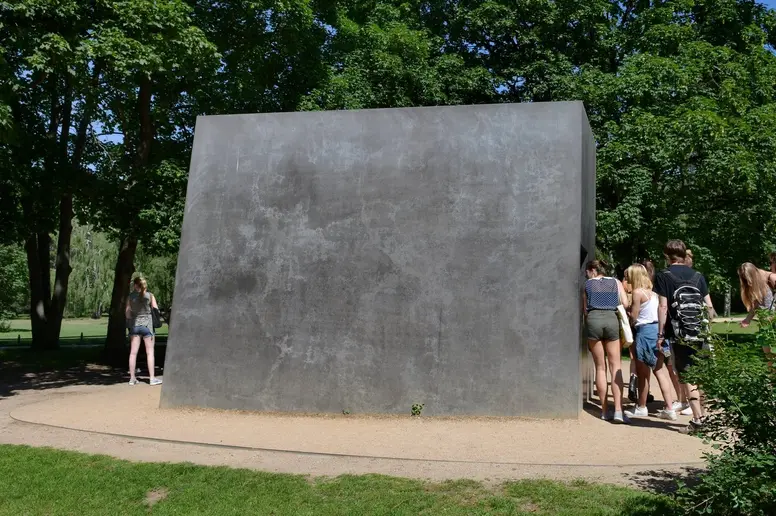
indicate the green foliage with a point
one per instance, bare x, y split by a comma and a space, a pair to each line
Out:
159, 272
14, 282
92, 257
384, 57
740, 390
417, 409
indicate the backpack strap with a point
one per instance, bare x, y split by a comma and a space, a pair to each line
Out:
694, 281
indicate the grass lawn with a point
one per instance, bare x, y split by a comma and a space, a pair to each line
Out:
45, 481
72, 329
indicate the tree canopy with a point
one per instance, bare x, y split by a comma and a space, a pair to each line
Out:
98, 102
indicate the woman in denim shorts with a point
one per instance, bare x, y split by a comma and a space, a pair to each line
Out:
141, 325
649, 358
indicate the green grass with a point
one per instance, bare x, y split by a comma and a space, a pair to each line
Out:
45, 481
72, 329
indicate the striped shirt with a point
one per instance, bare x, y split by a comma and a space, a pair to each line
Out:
602, 294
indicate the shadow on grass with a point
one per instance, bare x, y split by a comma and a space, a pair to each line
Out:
665, 481
26, 369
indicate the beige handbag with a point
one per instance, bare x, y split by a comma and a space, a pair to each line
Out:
626, 334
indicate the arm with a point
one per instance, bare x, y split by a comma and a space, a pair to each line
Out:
584, 304
153, 302
709, 307
623, 297
636, 306
748, 319
662, 317
128, 310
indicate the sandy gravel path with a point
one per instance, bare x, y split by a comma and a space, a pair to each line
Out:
126, 422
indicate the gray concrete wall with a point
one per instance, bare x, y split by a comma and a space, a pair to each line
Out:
369, 260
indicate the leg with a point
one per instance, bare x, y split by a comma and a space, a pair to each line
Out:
643, 372
632, 353
677, 387
601, 385
694, 398
664, 381
134, 347
149, 346
613, 348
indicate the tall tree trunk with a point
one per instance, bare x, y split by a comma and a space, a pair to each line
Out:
37, 248
726, 310
63, 270
115, 343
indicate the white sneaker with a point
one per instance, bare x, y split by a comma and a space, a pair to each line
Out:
156, 381
687, 411
669, 415
677, 406
638, 412
133, 382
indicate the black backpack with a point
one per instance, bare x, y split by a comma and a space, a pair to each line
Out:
688, 311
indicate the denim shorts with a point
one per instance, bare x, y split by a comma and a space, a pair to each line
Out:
141, 331
646, 344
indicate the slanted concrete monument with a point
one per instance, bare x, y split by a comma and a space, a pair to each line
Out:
369, 260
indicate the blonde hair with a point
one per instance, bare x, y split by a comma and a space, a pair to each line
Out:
141, 282
637, 277
753, 286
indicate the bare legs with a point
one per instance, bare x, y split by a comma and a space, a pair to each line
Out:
134, 347
678, 389
596, 348
613, 348
694, 397
643, 372
601, 385
149, 345
664, 381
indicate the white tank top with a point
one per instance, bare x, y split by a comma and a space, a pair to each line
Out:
648, 310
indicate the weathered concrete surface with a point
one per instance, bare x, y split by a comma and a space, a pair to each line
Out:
369, 260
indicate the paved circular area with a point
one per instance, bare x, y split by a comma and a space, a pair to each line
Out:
124, 412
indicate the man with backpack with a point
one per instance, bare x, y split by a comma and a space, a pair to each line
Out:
684, 312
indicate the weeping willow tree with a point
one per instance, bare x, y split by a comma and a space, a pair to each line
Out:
92, 255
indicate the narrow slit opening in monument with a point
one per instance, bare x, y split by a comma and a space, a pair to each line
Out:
582, 255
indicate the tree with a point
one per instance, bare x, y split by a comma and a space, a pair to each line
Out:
14, 281
49, 82
381, 55
686, 129
93, 256
155, 63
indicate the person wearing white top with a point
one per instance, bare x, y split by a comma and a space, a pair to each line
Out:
643, 313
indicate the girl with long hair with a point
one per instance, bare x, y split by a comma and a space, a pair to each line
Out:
649, 357
757, 290
141, 325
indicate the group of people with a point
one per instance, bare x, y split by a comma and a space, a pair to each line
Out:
669, 312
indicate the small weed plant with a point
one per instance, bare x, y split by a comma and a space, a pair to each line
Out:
417, 409
739, 385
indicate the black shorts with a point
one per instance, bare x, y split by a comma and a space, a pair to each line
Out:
684, 357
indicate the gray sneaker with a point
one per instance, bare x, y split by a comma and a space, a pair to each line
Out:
133, 381
669, 415
693, 428
156, 381
620, 419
